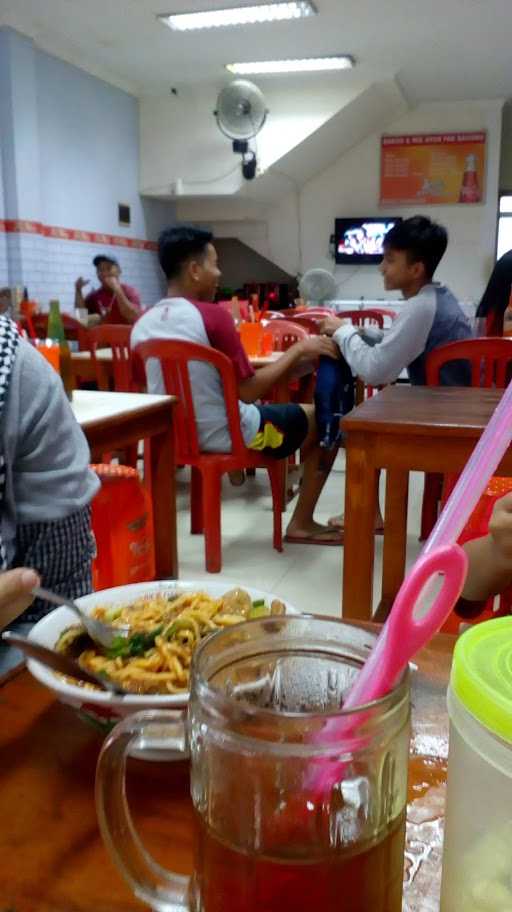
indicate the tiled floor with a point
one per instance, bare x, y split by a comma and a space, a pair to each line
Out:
309, 576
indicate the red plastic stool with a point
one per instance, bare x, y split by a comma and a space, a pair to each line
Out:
122, 522
476, 527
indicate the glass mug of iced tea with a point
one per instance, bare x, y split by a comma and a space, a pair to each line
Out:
263, 730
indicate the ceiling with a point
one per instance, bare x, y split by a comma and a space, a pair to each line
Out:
442, 49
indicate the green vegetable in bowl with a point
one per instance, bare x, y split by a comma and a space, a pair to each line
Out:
136, 645
257, 610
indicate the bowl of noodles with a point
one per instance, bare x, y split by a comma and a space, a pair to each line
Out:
167, 620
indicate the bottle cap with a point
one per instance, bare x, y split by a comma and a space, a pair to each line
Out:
481, 674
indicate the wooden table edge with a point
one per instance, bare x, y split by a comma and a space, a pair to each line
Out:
144, 409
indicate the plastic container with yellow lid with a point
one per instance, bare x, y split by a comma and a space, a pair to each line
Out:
477, 860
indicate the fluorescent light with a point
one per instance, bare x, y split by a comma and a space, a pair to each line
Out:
240, 15
306, 65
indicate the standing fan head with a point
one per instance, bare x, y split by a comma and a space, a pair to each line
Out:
317, 285
241, 110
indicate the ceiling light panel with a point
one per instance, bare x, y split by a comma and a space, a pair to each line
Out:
304, 65
240, 15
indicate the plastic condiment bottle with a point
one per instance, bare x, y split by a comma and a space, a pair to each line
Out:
470, 191
17, 299
477, 860
56, 332
235, 310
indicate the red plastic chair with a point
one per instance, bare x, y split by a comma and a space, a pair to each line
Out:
74, 330
208, 468
275, 315
367, 317
362, 317
117, 338
385, 312
491, 362
128, 375
285, 333
310, 324
309, 311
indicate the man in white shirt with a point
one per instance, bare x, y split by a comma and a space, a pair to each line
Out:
189, 261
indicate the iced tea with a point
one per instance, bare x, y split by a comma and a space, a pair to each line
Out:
362, 878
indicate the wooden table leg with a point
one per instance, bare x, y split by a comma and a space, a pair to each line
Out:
359, 549
395, 539
103, 378
359, 391
163, 495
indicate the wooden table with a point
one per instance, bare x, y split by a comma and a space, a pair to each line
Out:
114, 421
83, 367
51, 855
401, 429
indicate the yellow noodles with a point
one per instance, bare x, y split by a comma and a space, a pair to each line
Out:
164, 634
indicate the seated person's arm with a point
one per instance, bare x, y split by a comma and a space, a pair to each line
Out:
129, 304
15, 593
382, 363
80, 284
490, 557
264, 378
52, 482
252, 385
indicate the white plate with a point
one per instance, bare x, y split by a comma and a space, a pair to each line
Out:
100, 708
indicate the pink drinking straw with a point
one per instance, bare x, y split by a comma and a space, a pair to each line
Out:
412, 621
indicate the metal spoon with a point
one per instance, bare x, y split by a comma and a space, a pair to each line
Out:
57, 661
101, 633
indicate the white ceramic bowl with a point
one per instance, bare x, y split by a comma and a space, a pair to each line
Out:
100, 708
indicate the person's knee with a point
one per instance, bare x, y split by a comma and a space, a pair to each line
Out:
309, 410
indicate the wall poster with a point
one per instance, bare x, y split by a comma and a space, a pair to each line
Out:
432, 168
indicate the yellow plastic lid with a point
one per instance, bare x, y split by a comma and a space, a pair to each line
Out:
481, 674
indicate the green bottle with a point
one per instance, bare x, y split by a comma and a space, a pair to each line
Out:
56, 333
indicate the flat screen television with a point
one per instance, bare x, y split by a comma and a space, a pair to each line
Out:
359, 240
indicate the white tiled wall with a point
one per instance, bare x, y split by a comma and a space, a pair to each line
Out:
4, 268
48, 267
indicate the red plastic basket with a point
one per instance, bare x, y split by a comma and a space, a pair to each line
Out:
122, 522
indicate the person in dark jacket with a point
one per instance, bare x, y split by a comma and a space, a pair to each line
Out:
496, 296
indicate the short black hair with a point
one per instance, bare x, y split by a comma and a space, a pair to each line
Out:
103, 258
421, 239
180, 243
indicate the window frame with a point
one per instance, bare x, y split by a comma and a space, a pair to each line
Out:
502, 217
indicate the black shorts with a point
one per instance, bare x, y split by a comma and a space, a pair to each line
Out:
283, 429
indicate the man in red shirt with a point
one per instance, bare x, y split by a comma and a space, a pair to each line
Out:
189, 260
113, 301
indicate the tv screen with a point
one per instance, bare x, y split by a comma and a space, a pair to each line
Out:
360, 240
